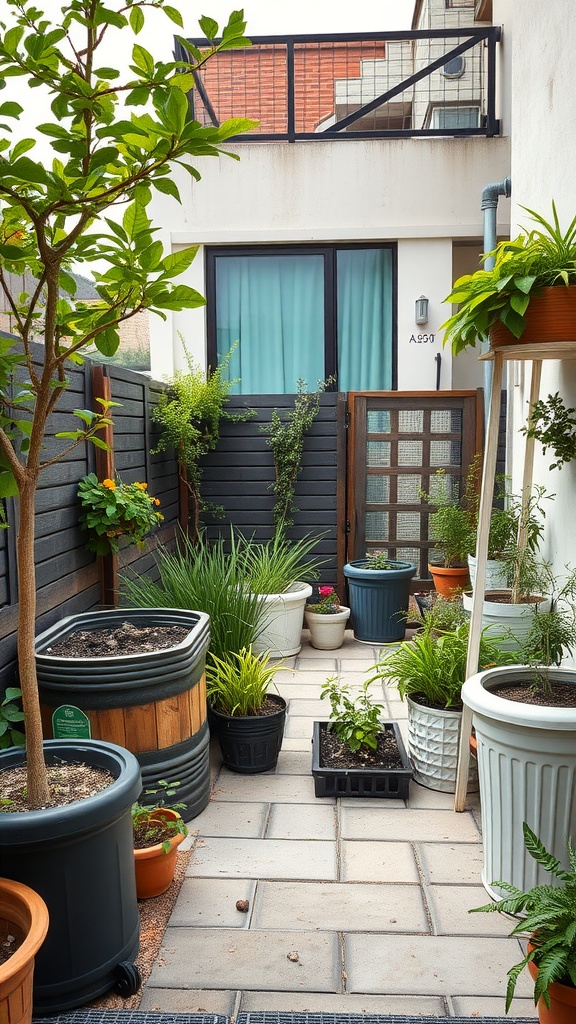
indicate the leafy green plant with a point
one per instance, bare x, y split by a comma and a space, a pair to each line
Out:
433, 664
354, 720
549, 913
551, 423
445, 615
552, 634
112, 142
451, 524
237, 685
542, 257
380, 561
10, 713
271, 567
189, 413
285, 435
207, 577
111, 510
149, 830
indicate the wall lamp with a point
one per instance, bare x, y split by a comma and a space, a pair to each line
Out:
421, 310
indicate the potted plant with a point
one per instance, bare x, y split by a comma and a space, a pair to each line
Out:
451, 531
248, 721
528, 296
355, 753
84, 204
26, 916
326, 619
429, 671
547, 912
158, 830
551, 423
112, 509
379, 590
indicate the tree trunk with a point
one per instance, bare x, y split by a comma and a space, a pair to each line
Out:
38, 792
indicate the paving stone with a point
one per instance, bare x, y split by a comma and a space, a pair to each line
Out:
329, 1002
211, 902
318, 709
366, 861
398, 710
430, 964
291, 789
299, 726
297, 743
332, 906
449, 906
226, 819
411, 826
302, 821
317, 668
222, 958
264, 858
422, 798
485, 1006
451, 862
302, 689
294, 762
187, 1000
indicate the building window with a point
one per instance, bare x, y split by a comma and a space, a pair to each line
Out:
455, 67
455, 117
305, 313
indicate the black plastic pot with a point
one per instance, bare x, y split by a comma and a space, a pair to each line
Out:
387, 783
250, 744
153, 703
379, 600
80, 859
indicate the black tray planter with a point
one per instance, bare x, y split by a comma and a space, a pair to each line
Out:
80, 859
387, 783
250, 744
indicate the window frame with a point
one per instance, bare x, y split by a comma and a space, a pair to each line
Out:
329, 251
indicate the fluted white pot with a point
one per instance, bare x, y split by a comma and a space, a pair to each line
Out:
327, 631
510, 623
495, 573
433, 738
282, 617
527, 769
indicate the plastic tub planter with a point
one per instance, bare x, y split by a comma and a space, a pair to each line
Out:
280, 625
250, 744
527, 769
510, 622
386, 783
153, 703
379, 600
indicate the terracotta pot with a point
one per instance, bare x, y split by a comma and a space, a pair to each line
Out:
154, 868
25, 911
562, 1001
448, 582
550, 317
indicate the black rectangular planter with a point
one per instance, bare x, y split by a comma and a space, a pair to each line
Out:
389, 783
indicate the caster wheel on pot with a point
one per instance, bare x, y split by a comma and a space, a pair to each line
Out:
128, 978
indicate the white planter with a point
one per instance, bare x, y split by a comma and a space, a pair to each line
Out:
495, 573
280, 627
527, 769
510, 622
433, 738
327, 631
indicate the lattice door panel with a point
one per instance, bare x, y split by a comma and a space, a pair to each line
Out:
398, 442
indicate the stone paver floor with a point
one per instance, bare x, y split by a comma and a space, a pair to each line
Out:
354, 904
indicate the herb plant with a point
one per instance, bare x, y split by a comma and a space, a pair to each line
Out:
355, 720
549, 913
380, 561
451, 526
111, 510
149, 830
237, 684
551, 423
272, 567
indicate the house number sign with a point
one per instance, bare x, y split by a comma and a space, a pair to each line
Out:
70, 723
422, 339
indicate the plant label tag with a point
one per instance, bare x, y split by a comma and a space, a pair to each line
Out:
70, 723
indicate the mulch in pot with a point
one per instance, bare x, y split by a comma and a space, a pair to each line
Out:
336, 754
124, 639
555, 694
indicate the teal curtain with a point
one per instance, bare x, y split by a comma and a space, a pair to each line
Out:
364, 297
273, 306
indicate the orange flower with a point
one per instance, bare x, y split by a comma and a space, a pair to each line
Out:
156, 501
109, 484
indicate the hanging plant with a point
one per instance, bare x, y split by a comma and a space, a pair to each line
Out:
554, 425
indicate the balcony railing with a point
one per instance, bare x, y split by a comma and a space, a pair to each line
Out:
433, 82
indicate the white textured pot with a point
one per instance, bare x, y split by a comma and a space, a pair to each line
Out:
495, 573
527, 769
280, 626
327, 631
510, 622
433, 738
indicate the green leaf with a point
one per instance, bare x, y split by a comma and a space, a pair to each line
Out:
28, 170
177, 262
209, 28
174, 15
136, 19
98, 442
8, 485
11, 109
143, 59
168, 186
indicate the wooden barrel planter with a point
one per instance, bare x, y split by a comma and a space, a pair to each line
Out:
152, 703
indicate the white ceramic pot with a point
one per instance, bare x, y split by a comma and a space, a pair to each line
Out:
327, 631
510, 623
527, 769
280, 626
495, 573
433, 738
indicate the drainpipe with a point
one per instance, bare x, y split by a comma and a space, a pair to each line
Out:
490, 197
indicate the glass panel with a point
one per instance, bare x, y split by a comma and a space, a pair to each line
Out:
378, 421
365, 329
408, 526
445, 453
378, 453
411, 421
444, 485
377, 489
446, 421
409, 555
409, 487
376, 526
409, 453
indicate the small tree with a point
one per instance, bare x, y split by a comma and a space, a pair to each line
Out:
53, 216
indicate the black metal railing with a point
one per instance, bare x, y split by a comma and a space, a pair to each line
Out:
434, 82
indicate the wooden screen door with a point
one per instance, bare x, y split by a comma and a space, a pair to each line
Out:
397, 442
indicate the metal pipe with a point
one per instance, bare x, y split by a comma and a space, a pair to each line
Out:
490, 197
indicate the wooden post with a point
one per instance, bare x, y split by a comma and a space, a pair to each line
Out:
105, 470
527, 478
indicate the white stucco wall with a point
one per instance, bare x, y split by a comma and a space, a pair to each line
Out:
422, 193
540, 41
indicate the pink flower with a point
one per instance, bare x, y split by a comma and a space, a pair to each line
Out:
326, 591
